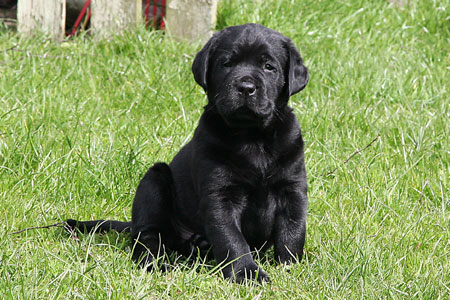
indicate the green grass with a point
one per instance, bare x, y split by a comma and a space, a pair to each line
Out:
82, 120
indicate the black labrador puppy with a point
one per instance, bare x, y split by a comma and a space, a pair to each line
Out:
240, 183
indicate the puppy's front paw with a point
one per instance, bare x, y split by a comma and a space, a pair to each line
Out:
247, 273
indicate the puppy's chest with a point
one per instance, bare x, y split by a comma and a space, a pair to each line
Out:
256, 159
258, 217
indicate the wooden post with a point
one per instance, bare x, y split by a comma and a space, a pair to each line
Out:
192, 20
114, 16
42, 15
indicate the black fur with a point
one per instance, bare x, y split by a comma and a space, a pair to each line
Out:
240, 183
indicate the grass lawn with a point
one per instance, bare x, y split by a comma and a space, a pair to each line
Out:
82, 120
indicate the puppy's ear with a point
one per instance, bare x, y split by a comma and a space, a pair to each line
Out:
201, 63
297, 75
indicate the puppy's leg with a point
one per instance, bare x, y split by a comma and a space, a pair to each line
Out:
290, 227
151, 229
228, 243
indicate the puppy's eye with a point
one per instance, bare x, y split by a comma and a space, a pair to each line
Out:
269, 67
227, 64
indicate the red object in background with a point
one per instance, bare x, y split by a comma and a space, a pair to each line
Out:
163, 12
80, 17
155, 12
156, 3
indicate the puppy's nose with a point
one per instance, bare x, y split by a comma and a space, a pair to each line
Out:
246, 88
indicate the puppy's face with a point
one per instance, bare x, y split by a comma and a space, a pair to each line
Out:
249, 72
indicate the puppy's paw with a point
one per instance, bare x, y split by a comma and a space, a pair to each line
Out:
199, 241
248, 273
199, 244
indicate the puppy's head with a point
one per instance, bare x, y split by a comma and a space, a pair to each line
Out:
249, 72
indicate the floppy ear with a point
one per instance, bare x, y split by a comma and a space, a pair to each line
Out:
201, 62
297, 75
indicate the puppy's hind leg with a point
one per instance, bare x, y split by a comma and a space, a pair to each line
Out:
151, 228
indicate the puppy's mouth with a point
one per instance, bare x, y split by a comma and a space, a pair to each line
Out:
244, 117
244, 112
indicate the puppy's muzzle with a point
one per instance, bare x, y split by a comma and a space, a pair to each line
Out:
244, 105
246, 87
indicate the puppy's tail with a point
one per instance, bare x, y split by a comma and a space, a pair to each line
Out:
99, 226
